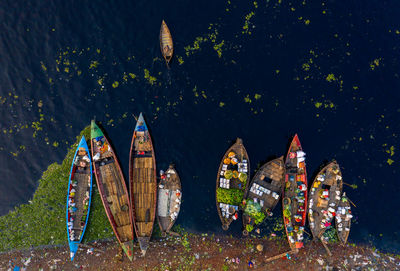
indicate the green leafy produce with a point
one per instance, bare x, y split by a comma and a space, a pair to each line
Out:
249, 228
229, 196
253, 209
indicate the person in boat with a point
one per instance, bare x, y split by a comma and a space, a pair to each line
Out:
167, 50
163, 176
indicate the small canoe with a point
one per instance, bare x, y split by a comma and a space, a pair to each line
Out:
343, 219
112, 189
166, 44
79, 196
264, 193
142, 183
324, 198
232, 181
294, 200
169, 199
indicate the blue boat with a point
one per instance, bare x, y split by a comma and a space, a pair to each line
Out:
79, 196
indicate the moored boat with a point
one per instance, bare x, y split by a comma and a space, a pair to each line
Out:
232, 181
169, 199
294, 200
79, 196
142, 183
264, 193
112, 189
343, 219
324, 198
166, 44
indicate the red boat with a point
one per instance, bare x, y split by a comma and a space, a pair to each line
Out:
294, 201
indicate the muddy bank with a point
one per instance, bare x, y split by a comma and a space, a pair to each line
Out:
202, 252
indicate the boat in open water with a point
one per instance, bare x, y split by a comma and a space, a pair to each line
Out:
324, 198
166, 44
294, 200
112, 189
343, 219
232, 181
264, 193
169, 199
79, 196
142, 183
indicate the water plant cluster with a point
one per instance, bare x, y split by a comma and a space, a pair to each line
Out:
42, 220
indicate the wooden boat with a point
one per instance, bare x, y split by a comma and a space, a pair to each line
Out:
343, 219
112, 188
324, 198
264, 193
294, 200
166, 44
79, 196
142, 183
232, 181
169, 199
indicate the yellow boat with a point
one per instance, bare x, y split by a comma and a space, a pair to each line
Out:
166, 44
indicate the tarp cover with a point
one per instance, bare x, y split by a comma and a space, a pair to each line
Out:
163, 202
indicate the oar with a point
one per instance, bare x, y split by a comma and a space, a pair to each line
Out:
352, 203
281, 255
351, 185
325, 246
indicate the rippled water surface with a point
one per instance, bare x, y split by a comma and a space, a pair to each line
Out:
261, 70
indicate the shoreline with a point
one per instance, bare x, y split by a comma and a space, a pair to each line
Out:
202, 252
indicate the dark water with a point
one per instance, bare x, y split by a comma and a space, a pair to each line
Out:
197, 109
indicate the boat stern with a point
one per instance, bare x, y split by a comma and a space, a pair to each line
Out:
144, 244
95, 130
141, 124
128, 249
73, 248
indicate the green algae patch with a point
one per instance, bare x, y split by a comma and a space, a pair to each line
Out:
247, 23
331, 77
375, 63
115, 84
93, 65
390, 161
42, 220
190, 49
318, 104
180, 60
150, 79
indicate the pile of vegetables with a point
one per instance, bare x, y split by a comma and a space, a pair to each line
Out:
230, 196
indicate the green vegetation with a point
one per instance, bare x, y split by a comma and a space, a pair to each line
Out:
42, 220
229, 196
253, 209
249, 228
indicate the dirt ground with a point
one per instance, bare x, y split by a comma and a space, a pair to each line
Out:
201, 252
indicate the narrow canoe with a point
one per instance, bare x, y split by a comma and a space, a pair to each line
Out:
112, 188
264, 193
79, 196
324, 198
294, 200
166, 44
169, 199
142, 183
232, 181
343, 219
